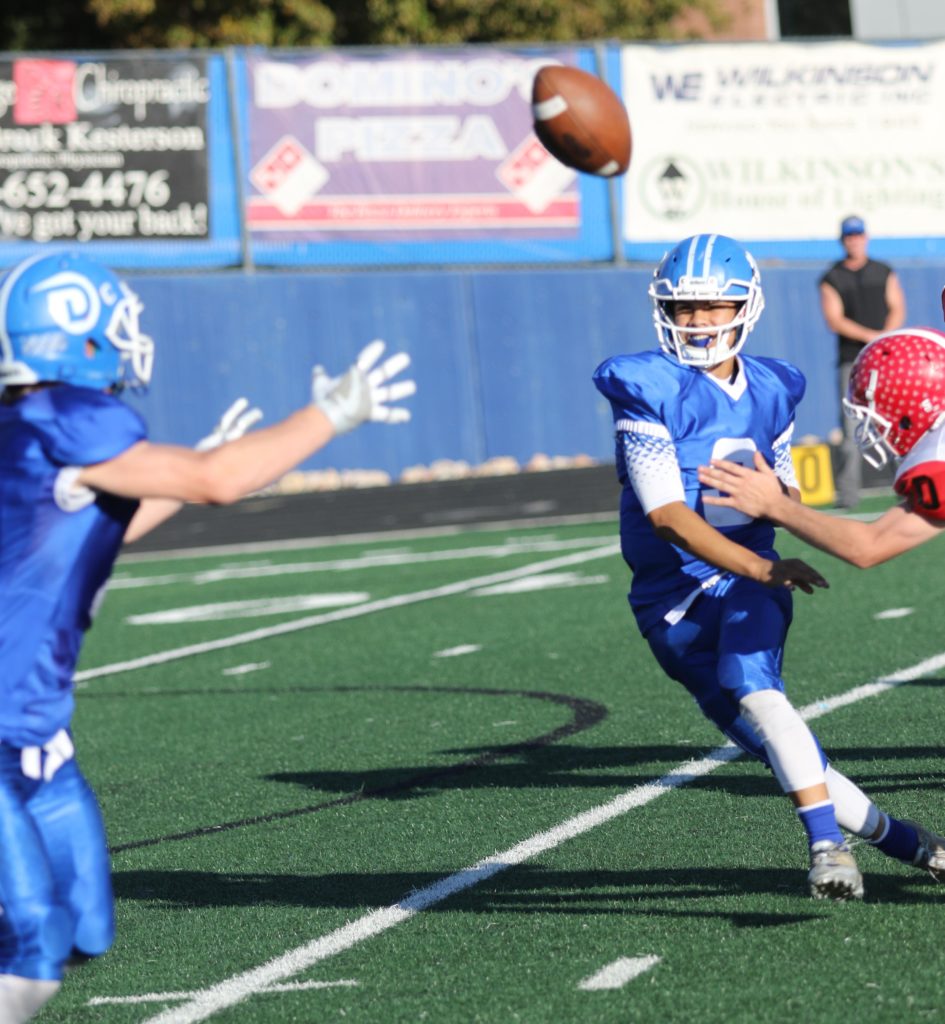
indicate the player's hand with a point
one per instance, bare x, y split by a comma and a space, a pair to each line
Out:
754, 492
233, 424
42, 762
363, 392
793, 573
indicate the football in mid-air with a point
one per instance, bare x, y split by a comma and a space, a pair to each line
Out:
580, 120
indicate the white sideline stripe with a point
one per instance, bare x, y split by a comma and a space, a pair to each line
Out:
617, 974
881, 685
241, 986
365, 561
256, 607
262, 547
398, 601
547, 581
174, 997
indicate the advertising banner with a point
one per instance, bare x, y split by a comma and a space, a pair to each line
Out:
104, 148
774, 143
406, 148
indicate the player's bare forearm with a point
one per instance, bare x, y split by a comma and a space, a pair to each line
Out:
679, 525
262, 456
151, 513
861, 544
219, 476
849, 540
758, 492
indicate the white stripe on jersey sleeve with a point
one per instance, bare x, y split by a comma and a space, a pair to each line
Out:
783, 463
652, 468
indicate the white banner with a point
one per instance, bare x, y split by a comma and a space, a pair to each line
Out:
780, 141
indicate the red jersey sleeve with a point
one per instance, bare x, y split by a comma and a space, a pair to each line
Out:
923, 487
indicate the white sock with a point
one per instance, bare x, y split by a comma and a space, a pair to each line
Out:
789, 743
20, 998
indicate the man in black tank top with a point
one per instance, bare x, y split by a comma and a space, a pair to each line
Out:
860, 299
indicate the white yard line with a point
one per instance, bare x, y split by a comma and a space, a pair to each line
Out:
353, 612
618, 973
239, 987
242, 670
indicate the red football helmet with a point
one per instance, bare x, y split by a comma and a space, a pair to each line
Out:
897, 392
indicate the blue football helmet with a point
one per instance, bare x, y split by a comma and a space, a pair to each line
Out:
66, 318
705, 268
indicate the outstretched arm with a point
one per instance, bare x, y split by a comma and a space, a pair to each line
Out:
757, 492
216, 477
229, 472
153, 511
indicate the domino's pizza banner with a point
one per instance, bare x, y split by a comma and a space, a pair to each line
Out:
409, 155
115, 152
774, 143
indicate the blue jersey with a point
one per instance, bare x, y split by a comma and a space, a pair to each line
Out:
57, 547
669, 420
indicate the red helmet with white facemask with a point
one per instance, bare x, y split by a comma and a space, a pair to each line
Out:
897, 392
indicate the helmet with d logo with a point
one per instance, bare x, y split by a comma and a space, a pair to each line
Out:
66, 318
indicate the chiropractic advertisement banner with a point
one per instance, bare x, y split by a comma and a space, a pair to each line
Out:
103, 148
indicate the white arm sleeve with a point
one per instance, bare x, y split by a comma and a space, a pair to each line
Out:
650, 458
783, 463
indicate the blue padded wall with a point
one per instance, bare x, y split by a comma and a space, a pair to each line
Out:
502, 358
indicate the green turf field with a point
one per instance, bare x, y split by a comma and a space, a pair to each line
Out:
439, 778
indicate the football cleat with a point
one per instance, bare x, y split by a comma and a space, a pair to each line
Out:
833, 872
930, 855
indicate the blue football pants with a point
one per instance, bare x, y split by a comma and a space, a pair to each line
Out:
55, 884
729, 643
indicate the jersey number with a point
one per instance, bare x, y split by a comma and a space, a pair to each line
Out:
735, 449
923, 494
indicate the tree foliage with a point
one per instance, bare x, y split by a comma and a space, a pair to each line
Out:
130, 24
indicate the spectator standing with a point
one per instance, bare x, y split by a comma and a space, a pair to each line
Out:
861, 298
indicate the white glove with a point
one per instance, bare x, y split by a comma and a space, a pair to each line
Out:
362, 392
57, 751
233, 424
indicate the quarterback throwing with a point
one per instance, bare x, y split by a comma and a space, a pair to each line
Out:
709, 592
